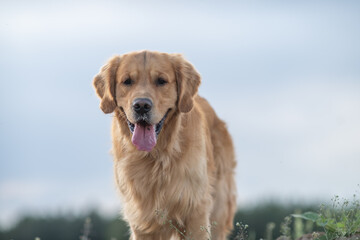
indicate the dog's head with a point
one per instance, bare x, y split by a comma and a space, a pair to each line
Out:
145, 86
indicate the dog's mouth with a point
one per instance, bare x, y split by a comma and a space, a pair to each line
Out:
144, 134
145, 123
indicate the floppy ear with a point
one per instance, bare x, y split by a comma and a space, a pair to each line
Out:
188, 81
104, 84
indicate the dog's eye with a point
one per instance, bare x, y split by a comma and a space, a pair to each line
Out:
161, 82
127, 82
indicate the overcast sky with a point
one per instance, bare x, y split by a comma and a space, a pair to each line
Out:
284, 75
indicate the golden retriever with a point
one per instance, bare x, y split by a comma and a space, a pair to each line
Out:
173, 157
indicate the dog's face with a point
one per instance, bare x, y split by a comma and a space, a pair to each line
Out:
146, 86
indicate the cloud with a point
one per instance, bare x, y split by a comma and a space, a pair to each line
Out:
21, 196
11, 190
297, 140
16, 194
229, 26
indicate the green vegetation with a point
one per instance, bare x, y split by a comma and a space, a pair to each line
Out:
240, 232
64, 227
265, 220
340, 220
95, 227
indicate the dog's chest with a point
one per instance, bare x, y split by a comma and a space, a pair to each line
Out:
162, 184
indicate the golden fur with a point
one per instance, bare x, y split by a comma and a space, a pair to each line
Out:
188, 177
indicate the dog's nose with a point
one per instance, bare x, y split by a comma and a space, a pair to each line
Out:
142, 105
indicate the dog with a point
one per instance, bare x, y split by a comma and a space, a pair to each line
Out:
174, 159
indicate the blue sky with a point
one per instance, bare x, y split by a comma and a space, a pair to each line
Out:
285, 76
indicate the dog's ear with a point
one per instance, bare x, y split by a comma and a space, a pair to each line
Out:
188, 81
104, 84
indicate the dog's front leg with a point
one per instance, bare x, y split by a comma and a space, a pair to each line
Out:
136, 235
159, 235
198, 224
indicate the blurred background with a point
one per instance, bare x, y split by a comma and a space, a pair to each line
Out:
284, 75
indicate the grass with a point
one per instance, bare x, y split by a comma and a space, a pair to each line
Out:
87, 229
339, 220
241, 231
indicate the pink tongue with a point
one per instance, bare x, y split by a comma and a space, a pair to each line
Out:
144, 137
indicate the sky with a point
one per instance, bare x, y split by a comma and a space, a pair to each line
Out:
283, 75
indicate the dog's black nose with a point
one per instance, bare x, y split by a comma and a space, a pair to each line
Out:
142, 105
